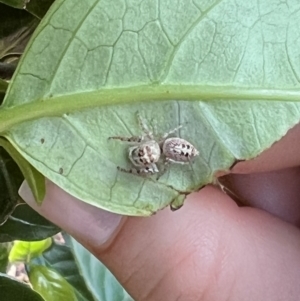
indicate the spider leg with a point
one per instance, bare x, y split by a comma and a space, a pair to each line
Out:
153, 126
170, 133
162, 172
169, 160
167, 163
135, 171
144, 126
134, 139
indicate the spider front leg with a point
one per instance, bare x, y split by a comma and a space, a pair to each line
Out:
162, 172
169, 133
144, 126
140, 172
169, 160
133, 139
167, 163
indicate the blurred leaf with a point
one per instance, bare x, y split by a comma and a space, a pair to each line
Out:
4, 252
38, 8
3, 86
11, 179
61, 259
34, 178
7, 69
15, 3
12, 290
98, 278
27, 225
16, 28
24, 251
50, 284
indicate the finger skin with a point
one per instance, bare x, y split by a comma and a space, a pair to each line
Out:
282, 154
276, 192
209, 250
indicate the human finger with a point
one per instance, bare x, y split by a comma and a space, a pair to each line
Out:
208, 250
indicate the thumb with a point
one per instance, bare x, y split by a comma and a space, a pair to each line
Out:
208, 250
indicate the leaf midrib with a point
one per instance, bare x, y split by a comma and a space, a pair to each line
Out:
57, 106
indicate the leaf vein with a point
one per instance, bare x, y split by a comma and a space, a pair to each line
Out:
177, 47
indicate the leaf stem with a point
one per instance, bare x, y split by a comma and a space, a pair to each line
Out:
58, 105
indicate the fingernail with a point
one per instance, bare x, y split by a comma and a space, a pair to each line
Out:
88, 224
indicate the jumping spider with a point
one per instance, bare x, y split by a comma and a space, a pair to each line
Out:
146, 152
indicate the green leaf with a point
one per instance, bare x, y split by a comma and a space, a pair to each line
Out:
15, 3
4, 252
36, 7
98, 278
16, 27
12, 168
50, 284
61, 259
227, 70
10, 182
12, 290
34, 178
3, 86
24, 251
7, 69
27, 225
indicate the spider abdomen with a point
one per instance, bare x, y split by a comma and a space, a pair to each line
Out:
179, 149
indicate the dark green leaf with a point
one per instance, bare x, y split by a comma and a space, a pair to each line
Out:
10, 181
7, 69
16, 28
36, 7
3, 85
13, 168
15, 3
27, 225
39, 7
50, 284
98, 278
12, 290
61, 259
4, 252
1, 97
35, 179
